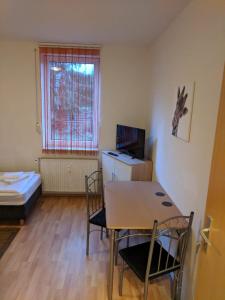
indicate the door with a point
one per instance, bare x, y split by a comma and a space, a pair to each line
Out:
210, 284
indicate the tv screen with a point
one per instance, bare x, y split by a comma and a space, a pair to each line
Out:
130, 140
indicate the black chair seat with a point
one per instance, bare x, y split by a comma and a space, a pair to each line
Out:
136, 257
99, 218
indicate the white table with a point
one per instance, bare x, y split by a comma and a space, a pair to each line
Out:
133, 205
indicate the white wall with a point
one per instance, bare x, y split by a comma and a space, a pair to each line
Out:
20, 144
124, 90
123, 99
191, 49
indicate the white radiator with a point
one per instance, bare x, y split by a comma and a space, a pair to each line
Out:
65, 175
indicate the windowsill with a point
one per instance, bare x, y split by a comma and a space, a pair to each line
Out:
82, 154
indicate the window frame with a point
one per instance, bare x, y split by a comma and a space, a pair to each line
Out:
49, 144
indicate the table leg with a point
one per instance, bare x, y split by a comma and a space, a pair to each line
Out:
111, 264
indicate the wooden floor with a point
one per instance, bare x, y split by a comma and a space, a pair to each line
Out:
46, 260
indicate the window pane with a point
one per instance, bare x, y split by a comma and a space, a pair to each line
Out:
71, 101
70, 98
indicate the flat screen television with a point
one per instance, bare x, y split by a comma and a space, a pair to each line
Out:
130, 140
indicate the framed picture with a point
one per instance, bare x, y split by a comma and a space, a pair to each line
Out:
182, 111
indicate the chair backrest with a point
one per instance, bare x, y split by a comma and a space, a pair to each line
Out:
168, 245
94, 192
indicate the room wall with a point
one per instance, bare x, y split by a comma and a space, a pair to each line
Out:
122, 91
20, 143
192, 49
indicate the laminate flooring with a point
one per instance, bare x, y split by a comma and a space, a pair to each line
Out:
47, 261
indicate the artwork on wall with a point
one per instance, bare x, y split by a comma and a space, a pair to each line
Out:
181, 123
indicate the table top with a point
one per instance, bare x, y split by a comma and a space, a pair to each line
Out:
135, 205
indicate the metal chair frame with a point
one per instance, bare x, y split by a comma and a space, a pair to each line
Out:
95, 201
167, 230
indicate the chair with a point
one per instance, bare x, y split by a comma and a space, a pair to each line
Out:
95, 207
95, 204
163, 254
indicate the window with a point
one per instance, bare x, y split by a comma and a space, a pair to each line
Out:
70, 99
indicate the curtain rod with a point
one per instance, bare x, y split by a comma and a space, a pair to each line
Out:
45, 44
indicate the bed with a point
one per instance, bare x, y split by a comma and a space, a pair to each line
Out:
19, 192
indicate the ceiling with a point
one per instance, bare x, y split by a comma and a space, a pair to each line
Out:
87, 21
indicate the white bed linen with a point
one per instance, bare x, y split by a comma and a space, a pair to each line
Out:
11, 177
19, 192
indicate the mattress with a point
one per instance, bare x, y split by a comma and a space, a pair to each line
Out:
19, 192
